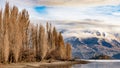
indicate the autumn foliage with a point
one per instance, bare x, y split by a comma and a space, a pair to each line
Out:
20, 41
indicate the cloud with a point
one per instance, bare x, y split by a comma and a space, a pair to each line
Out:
25, 3
108, 13
116, 13
76, 2
68, 3
103, 15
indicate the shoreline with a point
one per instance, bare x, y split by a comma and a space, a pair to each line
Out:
41, 64
101, 60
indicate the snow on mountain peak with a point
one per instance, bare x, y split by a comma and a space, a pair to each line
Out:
86, 44
88, 34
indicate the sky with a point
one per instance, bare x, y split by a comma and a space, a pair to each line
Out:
102, 15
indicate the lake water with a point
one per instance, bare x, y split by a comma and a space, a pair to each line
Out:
98, 65
93, 64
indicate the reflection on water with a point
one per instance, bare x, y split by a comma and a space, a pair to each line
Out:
89, 65
98, 65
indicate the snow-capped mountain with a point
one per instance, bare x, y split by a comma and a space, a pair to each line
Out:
87, 44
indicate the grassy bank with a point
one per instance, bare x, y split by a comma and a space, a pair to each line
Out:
44, 64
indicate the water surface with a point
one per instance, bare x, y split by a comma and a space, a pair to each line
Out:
93, 64
98, 65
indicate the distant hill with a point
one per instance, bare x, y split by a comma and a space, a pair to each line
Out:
87, 44
116, 56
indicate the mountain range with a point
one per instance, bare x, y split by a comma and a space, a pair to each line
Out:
87, 44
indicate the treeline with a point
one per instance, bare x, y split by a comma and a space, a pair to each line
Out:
20, 41
101, 57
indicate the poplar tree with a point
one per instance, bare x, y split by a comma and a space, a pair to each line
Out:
34, 40
5, 30
14, 34
42, 42
1, 37
68, 51
62, 50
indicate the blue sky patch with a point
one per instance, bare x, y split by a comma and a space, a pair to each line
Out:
41, 9
107, 10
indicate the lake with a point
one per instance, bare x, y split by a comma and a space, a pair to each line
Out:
99, 64
93, 64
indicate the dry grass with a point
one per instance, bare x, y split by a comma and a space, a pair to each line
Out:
55, 64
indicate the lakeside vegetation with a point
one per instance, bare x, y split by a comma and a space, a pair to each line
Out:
21, 41
103, 57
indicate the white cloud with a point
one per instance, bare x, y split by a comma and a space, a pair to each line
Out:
76, 14
64, 3
116, 13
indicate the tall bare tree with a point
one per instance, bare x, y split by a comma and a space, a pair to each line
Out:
68, 51
34, 40
42, 42
14, 34
1, 37
6, 47
62, 50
